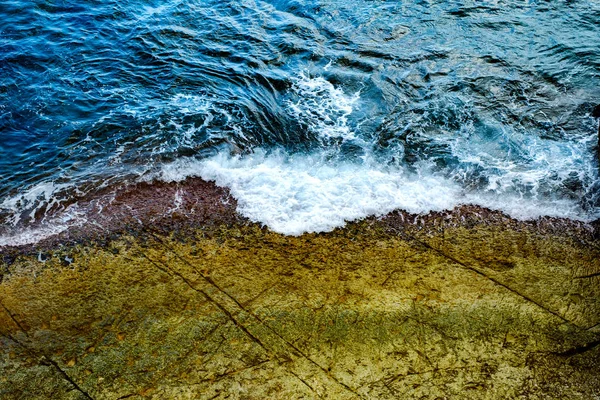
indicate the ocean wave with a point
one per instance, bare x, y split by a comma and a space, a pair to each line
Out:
294, 194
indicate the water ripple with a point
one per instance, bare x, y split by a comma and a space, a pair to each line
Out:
494, 98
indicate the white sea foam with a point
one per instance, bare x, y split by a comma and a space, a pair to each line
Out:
24, 226
294, 194
31, 235
526, 162
297, 193
40, 195
63, 221
322, 107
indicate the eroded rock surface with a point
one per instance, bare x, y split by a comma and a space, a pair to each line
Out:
364, 312
467, 304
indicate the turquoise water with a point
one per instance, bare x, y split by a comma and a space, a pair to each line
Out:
312, 112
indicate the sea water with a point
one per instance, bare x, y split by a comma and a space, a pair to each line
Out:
311, 113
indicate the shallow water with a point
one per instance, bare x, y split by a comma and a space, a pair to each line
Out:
312, 113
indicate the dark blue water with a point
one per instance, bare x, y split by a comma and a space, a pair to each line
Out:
308, 110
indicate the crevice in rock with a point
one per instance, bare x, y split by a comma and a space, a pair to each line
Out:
306, 384
44, 360
594, 275
295, 349
127, 396
224, 375
12, 317
497, 282
387, 381
579, 349
48, 361
212, 301
593, 327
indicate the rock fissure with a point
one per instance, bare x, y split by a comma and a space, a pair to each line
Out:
218, 305
496, 281
66, 376
579, 349
13, 319
47, 361
286, 343
594, 275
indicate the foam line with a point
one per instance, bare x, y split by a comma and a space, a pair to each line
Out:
294, 194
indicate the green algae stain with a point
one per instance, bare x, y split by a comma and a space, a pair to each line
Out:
359, 312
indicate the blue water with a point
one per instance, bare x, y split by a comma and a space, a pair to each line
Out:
343, 108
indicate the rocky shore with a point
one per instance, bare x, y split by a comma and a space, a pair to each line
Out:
166, 292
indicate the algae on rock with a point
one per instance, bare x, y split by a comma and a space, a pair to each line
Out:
362, 312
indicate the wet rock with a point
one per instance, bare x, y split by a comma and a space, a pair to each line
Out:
491, 308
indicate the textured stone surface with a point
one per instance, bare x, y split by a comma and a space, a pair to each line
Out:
465, 310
